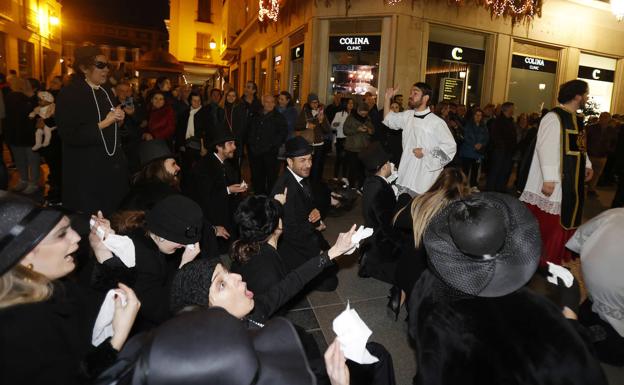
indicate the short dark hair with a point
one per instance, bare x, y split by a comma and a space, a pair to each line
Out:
425, 89
161, 80
212, 91
194, 93
257, 218
507, 105
569, 90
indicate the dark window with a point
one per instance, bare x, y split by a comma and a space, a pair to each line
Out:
203, 11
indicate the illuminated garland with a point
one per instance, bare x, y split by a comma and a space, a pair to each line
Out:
271, 12
518, 10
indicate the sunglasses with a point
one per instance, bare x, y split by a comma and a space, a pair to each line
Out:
101, 65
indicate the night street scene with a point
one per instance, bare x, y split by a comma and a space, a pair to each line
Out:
312, 192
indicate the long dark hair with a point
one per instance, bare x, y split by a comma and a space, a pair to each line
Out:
156, 171
257, 218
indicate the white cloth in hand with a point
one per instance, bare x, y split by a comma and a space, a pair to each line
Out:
103, 327
361, 234
353, 334
121, 246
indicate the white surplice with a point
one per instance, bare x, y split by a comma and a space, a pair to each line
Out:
429, 133
546, 166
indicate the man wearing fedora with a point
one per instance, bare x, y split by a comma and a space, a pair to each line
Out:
471, 316
214, 192
302, 223
378, 208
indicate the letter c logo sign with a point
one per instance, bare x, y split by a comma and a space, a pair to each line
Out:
456, 53
596, 74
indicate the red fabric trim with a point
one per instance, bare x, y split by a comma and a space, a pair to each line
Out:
554, 237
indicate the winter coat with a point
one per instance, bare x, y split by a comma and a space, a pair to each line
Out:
262, 270
267, 132
313, 135
92, 179
19, 130
356, 141
49, 342
161, 122
474, 134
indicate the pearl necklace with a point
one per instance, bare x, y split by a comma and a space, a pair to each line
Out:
100, 119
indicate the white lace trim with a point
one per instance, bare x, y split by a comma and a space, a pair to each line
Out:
543, 203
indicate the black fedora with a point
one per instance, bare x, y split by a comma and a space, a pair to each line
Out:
22, 227
210, 346
487, 245
151, 150
220, 137
373, 157
297, 146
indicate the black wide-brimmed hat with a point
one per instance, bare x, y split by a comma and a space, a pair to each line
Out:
152, 150
22, 226
210, 346
297, 146
219, 137
373, 157
488, 245
176, 218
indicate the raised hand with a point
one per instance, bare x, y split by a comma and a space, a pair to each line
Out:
124, 316
343, 243
281, 198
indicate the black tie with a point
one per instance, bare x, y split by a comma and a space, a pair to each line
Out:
305, 183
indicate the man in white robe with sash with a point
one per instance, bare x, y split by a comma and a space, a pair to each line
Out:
428, 144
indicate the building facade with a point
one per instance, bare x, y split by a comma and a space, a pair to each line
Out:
30, 38
465, 54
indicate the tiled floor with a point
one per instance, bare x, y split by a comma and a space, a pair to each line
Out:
368, 297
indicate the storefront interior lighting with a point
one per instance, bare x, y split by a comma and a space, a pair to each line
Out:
542, 86
332, 79
462, 75
617, 7
270, 11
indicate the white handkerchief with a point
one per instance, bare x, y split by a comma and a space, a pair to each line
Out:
557, 271
353, 334
121, 246
361, 234
103, 327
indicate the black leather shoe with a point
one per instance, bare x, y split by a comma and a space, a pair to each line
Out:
394, 301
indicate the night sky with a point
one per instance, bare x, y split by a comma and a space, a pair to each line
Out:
138, 13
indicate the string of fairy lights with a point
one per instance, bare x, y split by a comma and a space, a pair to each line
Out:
268, 9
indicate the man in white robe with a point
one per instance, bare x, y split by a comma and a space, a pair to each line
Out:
428, 144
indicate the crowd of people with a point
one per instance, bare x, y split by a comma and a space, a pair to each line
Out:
148, 222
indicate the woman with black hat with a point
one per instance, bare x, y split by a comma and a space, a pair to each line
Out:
95, 169
472, 319
172, 224
47, 322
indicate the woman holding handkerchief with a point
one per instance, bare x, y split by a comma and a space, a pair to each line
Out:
47, 322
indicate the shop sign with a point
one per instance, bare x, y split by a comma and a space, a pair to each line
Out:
296, 52
593, 73
451, 90
456, 53
354, 43
533, 63
278, 60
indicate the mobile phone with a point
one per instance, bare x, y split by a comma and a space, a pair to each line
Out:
128, 103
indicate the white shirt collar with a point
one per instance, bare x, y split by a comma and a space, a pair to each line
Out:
94, 86
217, 156
423, 112
297, 177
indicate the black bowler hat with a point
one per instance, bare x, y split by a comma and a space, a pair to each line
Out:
487, 245
152, 150
177, 219
22, 226
210, 346
297, 146
374, 157
220, 137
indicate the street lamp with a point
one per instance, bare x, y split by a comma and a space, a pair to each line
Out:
212, 44
54, 20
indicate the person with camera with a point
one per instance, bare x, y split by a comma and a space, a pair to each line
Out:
130, 129
313, 126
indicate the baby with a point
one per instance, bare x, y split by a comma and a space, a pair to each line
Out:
44, 111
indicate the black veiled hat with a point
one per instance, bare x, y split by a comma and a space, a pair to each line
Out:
152, 150
297, 146
176, 218
22, 226
210, 346
487, 245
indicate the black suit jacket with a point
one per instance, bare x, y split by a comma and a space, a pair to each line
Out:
210, 191
201, 122
300, 240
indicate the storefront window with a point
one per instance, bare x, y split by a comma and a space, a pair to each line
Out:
599, 73
455, 61
354, 64
3, 63
277, 70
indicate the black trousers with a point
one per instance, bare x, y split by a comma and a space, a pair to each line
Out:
340, 166
356, 169
264, 171
470, 167
500, 168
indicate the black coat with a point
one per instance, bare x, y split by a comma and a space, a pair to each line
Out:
210, 191
144, 195
520, 338
262, 271
503, 135
201, 121
92, 180
267, 132
383, 248
236, 121
300, 240
49, 342
19, 130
